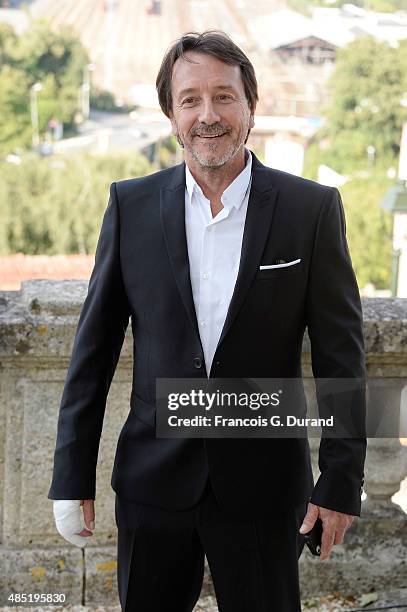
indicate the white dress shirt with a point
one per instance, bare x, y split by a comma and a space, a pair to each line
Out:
214, 249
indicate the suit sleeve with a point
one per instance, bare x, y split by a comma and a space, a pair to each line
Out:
96, 349
335, 329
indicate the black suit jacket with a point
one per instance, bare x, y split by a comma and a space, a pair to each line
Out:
141, 273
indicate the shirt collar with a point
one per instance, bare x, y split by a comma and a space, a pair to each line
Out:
234, 193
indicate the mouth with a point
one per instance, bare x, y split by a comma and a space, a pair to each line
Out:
213, 136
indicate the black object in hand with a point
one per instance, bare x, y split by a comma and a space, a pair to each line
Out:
313, 538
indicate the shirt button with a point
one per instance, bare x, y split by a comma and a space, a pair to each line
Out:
203, 323
205, 275
198, 362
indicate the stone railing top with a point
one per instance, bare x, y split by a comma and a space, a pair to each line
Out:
44, 297
49, 305
385, 309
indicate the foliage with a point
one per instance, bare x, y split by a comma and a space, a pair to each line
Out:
103, 100
57, 61
55, 205
53, 59
369, 230
15, 122
8, 41
41, 52
369, 227
367, 86
167, 152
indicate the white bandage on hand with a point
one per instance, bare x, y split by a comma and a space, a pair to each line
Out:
69, 521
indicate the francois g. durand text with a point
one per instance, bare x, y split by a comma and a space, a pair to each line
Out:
258, 421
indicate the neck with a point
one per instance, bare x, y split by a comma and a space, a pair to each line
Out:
214, 181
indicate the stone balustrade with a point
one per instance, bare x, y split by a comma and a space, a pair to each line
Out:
37, 326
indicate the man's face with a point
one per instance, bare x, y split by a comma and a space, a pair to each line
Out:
210, 112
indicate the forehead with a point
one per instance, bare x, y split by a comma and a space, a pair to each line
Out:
204, 71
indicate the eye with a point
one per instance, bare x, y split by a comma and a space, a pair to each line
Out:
225, 96
188, 101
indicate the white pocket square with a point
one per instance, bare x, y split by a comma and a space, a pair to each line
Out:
282, 265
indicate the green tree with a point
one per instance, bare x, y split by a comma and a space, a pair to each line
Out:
369, 230
15, 122
367, 86
54, 59
55, 205
8, 41
369, 227
41, 52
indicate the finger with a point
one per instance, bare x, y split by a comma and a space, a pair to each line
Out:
89, 513
339, 535
85, 533
327, 541
309, 519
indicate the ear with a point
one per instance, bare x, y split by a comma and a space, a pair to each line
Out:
173, 125
251, 121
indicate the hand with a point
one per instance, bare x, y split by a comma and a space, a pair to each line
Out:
334, 525
71, 523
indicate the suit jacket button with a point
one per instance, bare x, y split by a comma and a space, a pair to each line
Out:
198, 362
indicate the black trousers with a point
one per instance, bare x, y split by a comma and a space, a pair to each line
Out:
253, 560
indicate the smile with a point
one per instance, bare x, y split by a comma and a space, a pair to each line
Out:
216, 136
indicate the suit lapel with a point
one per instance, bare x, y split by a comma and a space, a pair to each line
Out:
259, 216
260, 209
172, 210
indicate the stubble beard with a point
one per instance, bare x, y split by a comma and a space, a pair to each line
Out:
211, 158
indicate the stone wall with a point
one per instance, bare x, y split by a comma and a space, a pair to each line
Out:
37, 326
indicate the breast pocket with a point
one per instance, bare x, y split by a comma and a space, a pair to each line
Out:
280, 270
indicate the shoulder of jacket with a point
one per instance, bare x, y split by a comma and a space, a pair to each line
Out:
282, 179
126, 187
296, 190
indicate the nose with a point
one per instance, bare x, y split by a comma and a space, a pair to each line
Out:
208, 113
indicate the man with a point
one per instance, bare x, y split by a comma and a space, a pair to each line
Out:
182, 252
